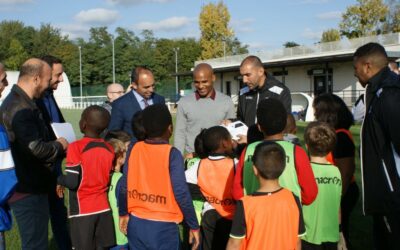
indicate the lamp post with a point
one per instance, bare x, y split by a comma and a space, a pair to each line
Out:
176, 71
113, 57
80, 70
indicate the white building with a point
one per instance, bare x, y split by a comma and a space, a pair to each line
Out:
62, 95
325, 67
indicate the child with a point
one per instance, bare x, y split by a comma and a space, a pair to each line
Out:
289, 134
297, 176
322, 216
271, 217
119, 140
157, 195
88, 166
213, 177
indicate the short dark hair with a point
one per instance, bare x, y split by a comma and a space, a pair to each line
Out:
137, 126
210, 139
331, 109
375, 51
97, 118
254, 60
136, 71
156, 120
271, 116
370, 49
51, 60
269, 159
320, 138
119, 135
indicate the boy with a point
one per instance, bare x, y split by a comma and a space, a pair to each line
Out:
88, 166
297, 176
157, 195
322, 216
271, 217
119, 139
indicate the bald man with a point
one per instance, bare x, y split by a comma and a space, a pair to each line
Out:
114, 91
260, 86
204, 108
380, 144
394, 67
33, 151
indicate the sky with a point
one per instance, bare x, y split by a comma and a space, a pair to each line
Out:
261, 24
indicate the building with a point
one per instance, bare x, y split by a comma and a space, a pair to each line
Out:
316, 69
62, 95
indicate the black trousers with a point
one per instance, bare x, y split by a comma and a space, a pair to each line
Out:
348, 203
386, 230
214, 231
324, 246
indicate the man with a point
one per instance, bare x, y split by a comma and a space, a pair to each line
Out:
141, 96
114, 91
260, 85
51, 113
33, 151
204, 108
7, 172
380, 144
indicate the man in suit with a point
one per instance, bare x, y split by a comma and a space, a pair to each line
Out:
51, 113
141, 96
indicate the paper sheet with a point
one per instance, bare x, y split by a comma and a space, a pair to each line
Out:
237, 128
64, 130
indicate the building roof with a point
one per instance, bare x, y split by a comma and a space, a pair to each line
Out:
338, 51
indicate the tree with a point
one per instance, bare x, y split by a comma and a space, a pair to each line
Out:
215, 31
18, 55
392, 24
365, 18
290, 44
330, 35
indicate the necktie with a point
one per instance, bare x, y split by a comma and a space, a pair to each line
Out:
146, 104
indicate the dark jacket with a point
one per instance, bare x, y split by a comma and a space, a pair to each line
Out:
46, 117
380, 145
31, 146
123, 110
249, 99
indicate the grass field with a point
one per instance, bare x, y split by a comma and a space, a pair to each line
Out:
361, 235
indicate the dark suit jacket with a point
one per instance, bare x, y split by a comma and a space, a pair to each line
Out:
46, 116
123, 110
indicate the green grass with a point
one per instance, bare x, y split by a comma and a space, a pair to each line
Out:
360, 226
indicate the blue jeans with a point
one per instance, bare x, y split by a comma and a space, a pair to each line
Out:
32, 215
58, 216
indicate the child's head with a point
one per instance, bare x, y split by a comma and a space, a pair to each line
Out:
333, 110
216, 139
198, 145
119, 135
157, 122
290, 125
94, 120
271, 116
137, 126
320, 138
269, 160
120, 153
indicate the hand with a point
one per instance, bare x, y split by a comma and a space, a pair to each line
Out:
194, 239
242, 139
60, 191
226, 122
342, 243
63, 142
188, 156
123, 224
